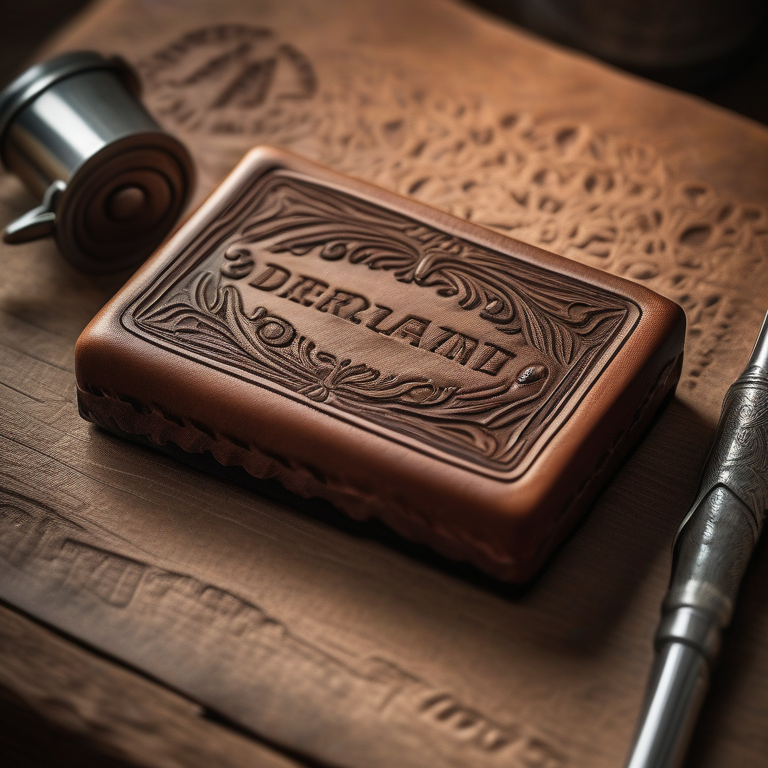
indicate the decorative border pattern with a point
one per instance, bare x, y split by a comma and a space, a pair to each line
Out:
491, 429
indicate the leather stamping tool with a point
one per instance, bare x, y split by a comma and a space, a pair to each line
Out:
112, 182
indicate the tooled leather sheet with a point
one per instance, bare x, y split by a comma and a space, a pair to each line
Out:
241, 601
472, 355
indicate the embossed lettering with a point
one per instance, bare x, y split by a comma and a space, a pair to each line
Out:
455, 346
379, 314
410, 329
492, 359
345, 305
305, 290
272, 278
469, 725
311, 291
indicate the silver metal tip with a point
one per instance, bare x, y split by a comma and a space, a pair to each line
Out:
759, 356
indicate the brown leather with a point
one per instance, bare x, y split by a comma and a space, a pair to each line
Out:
471, 391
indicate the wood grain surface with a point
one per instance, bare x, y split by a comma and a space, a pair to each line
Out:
331, 641
110, 716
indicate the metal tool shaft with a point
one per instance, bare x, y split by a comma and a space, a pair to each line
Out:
712, 549
676, 691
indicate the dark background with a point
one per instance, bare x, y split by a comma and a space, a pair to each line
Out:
739, 83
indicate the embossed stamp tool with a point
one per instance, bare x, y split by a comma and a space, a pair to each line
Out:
112, 182
469, 390
712, 549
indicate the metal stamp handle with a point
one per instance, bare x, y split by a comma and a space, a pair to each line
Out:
739, 457
716, 539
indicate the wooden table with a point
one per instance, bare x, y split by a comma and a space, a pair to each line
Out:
161, 616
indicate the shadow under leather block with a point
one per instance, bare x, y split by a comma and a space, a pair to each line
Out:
325, 512
644, 546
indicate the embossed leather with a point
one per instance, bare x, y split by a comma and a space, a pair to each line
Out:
471, 391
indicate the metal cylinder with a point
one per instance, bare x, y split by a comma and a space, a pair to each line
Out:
113, 182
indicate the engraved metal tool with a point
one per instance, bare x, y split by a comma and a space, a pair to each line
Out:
712, 549
112, 182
